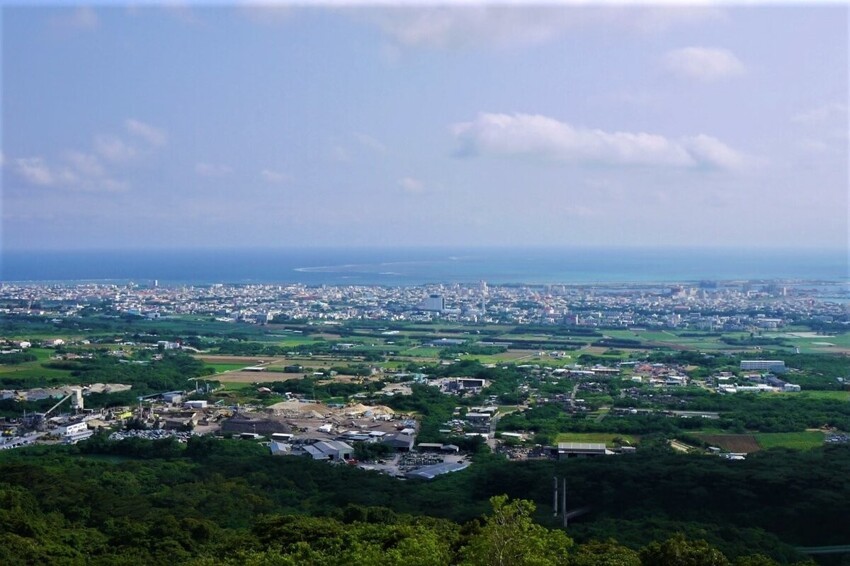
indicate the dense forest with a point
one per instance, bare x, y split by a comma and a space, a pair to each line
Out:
215, 501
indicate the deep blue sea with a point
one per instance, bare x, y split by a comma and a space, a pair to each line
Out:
420, 266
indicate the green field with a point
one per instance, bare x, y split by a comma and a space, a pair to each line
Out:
796, 440
34, 369
837, 395
597, 437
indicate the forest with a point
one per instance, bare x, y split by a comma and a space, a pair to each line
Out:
218, 501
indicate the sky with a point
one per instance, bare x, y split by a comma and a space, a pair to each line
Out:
238, 125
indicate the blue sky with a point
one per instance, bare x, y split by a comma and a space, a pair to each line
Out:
240, 126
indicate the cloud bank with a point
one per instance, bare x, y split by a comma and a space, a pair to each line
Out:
543, 137
502, 25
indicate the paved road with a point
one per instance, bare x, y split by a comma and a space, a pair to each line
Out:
837, 549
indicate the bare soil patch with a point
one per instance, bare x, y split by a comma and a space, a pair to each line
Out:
247, 360
740, 443
255, 376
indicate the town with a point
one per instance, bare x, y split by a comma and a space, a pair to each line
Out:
707, 305
344, 373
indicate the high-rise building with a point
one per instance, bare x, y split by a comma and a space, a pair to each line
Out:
433, 302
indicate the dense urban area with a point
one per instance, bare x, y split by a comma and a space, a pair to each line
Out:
278, 424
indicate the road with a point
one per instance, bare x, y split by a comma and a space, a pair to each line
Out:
837, 549
573, 395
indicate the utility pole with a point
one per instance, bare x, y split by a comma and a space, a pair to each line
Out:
564, 501
555, 498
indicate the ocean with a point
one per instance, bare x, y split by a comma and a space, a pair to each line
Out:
396, 266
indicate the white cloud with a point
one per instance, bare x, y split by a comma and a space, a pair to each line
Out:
711, 152
411, 185
116, 149
212, 169
182, 11
87, 164
34, 170
91, 170
83, 173
825, 113
659, 18
81, 18
153, 136
268, 13
275, 177
476, 25
703, 63
543, 137
113, 148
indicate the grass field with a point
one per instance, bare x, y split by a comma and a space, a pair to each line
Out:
597, 437
34, 370
798, 440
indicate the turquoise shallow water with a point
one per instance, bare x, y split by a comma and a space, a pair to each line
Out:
419, 266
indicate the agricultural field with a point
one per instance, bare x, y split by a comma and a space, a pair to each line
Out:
236, 361
747, 443
740, 443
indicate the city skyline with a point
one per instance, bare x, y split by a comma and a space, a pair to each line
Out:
478, 125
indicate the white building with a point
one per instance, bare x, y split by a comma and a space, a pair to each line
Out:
73, 433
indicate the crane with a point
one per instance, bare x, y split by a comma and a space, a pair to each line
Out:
36, 420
